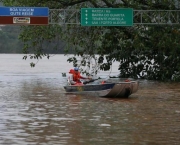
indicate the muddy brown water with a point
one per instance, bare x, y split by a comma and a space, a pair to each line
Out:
34, 109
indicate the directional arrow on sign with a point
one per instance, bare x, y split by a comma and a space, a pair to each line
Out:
107, 16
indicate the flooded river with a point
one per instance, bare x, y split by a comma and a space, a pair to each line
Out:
34, 109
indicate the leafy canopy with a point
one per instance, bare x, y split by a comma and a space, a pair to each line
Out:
143, 51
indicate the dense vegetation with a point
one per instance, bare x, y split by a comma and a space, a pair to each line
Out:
9, 42
148, 52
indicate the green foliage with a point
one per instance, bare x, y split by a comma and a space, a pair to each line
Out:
148, 52
37, 39
9, 42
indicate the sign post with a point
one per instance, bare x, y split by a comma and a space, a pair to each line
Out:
24, 15
106, 17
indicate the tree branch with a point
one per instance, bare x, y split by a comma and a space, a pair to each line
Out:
108, 4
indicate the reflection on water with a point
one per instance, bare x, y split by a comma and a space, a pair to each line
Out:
34, 109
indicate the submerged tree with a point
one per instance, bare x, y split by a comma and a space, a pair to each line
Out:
144, 51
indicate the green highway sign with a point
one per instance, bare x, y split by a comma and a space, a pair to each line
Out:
106, 16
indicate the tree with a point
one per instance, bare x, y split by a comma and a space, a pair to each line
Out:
9, 40
148, 52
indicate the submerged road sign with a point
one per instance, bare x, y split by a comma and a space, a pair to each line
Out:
24, 15
106, 17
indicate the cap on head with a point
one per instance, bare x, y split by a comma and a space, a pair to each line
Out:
76, 68
71, 71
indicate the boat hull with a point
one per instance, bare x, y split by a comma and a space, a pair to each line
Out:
121, 90
110, 90
87, 88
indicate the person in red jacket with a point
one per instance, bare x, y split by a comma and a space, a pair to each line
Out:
74, 79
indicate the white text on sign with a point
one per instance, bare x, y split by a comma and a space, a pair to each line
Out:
21, 11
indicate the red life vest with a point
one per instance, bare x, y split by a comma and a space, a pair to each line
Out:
76, 77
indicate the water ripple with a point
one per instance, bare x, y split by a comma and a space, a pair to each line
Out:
36, 111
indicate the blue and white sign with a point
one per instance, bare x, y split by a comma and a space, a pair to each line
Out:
24, 11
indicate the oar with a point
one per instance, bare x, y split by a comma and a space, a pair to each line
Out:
90, 81
104, 80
